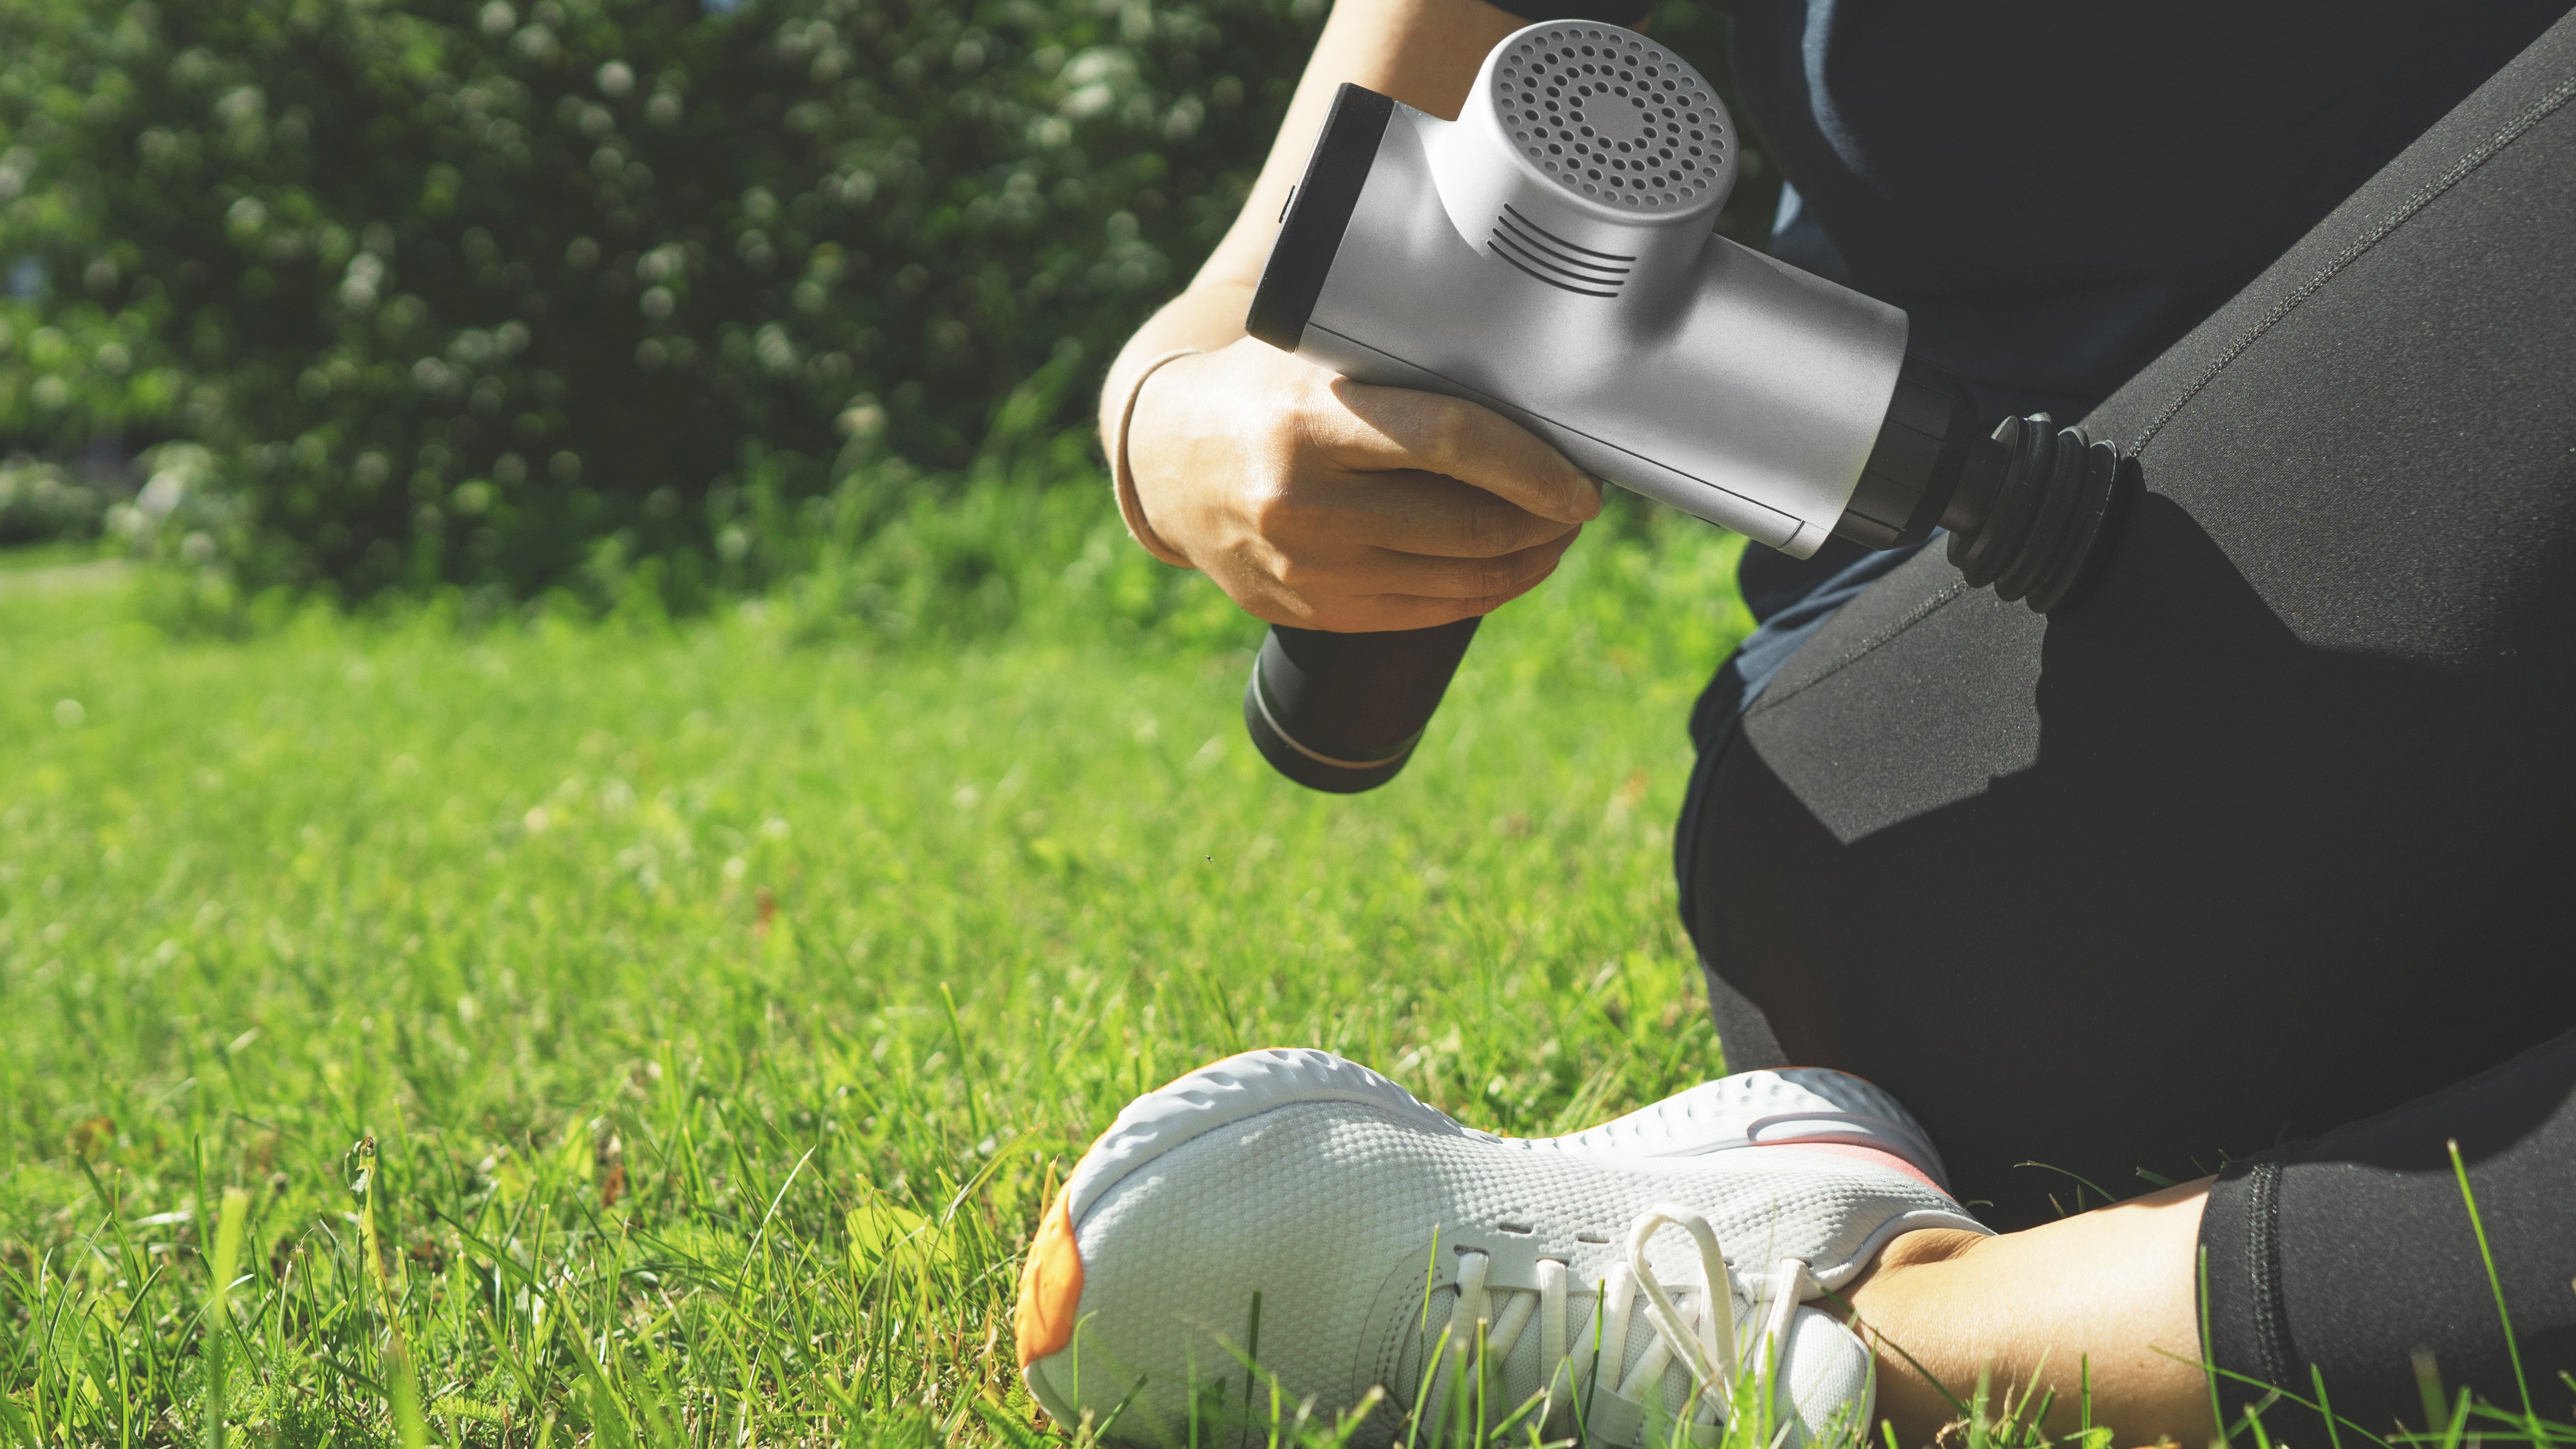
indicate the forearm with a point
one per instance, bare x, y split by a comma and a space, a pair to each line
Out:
1312, 499
1422, 52
1206, 317
2111, 1294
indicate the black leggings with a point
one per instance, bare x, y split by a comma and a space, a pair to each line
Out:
2355, 1252
2272, 830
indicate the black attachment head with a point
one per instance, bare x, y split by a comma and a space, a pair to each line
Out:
2030, 509
1342, 712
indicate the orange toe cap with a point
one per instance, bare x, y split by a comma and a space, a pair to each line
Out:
1050, 1285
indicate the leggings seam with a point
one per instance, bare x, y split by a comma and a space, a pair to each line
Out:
2424, 196
1869, 645
2263, 1265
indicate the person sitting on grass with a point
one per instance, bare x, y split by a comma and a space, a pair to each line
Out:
2263, 835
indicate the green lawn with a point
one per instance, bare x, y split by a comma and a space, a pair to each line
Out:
725, 1005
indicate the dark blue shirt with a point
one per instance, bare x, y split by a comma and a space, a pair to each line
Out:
2057, 190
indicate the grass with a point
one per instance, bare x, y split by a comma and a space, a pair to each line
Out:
716, 1007
523, 1033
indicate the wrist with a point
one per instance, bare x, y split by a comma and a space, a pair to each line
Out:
1122, 476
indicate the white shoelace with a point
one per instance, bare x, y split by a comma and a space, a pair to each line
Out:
1700, 1336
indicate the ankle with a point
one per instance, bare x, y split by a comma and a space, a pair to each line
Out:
1922, 1249
1906, 1270
1898, 1309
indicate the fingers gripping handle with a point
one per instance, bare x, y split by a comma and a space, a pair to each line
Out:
1343, 712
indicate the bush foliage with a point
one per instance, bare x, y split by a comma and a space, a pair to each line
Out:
521, 294
41, 500
456, 292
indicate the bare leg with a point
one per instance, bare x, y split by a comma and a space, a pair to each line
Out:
2116, 1288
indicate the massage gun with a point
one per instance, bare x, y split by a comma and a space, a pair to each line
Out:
1552, 255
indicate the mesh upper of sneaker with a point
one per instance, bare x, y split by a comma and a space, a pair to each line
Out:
1339, 1199
1778, 1107
1787, 1106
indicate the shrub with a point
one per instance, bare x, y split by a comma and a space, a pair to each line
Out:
456, 293
522, 294
42, 500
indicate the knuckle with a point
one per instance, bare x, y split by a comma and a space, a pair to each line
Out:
1483, 580
1262, 564
1305, 397
1273, 607
1305, 413
1272, 507
1466, 529
1315, 403
1537, 535
1266, 512
1295, 574
1445, 434
1284, 435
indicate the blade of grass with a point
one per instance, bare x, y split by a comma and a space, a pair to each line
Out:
403, 1400
2495, 1285
2428, 1388
219, 1324
2325, 1406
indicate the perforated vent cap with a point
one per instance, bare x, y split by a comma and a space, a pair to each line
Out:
1611, 116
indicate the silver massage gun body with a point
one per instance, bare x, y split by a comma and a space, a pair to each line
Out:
1552, 254
1604, 315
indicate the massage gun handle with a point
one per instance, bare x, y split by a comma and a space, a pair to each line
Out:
1342, 712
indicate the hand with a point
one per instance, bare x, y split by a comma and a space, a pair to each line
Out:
1324, 503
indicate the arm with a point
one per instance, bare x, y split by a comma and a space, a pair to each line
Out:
1310, 499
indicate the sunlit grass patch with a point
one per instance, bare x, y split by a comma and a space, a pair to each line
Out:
724, 1008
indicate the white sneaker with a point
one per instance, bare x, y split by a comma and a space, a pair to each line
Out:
1812, 1106
1301, 1211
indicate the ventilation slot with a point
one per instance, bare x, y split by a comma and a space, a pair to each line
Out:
1612, 117
1582, 256
1552, 259
1503, 248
